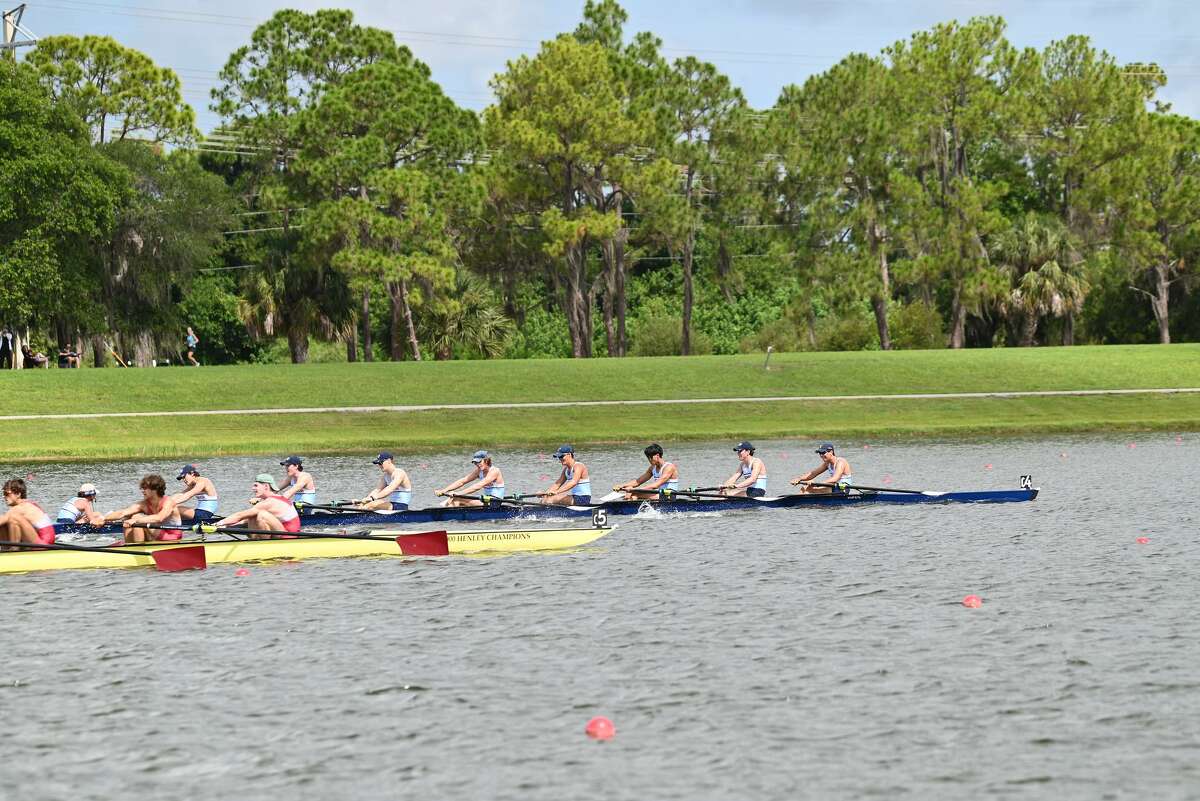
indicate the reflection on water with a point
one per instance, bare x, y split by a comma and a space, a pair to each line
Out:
818, 653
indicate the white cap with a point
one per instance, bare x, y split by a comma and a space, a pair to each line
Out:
87, 489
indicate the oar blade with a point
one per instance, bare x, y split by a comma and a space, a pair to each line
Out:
427, 543
173, 560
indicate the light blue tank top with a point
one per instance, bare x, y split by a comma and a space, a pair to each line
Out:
309, 496
672, 484
205, 502
401, 495
846, 479
761, 481
69, 512
584, 487
495, 490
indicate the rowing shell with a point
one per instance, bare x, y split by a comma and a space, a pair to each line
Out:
460, 542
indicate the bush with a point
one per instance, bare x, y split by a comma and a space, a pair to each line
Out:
849, 332
663, 336
544, 335
784, 335
916, 326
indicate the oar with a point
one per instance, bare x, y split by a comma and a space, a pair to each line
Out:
927, 493
168, 560
425, 543
510, 499
346, 507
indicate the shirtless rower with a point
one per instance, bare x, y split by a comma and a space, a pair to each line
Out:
660, 479
836, 469
200, 489
487, 479
574, 485
750, 479
81, 508
155, 508
301, 487
394, 490
24, 521
269, 511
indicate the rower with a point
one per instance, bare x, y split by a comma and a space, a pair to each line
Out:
750, 479
574, 486
269, 511
155, 508
836, 470
487, 479
661, 478
395, 488
301, 487
24, 521
197, 488
81, 508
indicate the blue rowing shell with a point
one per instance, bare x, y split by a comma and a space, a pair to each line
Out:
512, 511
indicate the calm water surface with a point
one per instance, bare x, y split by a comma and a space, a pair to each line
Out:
789, 654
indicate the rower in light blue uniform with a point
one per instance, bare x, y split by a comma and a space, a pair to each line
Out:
661, 478
81, 508
574, 485
394, 491
838, 475
750, 479
198, 489
301, 487
485, 478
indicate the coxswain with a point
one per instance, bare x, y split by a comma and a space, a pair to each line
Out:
484, 478
301, 488
269, 511
394, 491
24, 521
574, 486
836, 469
750, 479
197, 488
156, 508
81, 508
660, 479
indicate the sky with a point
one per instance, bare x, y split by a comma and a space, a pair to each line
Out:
762, 45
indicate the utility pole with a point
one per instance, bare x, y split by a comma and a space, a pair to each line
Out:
12, 30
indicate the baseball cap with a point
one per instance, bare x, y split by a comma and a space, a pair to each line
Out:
743, 446
479, 456
825, 448
296, 460
381, 458
266, 478
562, 451
87, 489
187, 468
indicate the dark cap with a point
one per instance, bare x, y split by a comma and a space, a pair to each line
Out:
743, 446
381, 458
296, 460
187, 468
826, 448
479, 457
562, 451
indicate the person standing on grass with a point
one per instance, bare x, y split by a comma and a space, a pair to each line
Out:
395, 488
574, 485
660, 479
750, 479
200, 489
6, 349
192, 342
24, 521
301, 487
156, 508
836, 470
487, 479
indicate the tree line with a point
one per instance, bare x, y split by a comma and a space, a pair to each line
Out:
952, 191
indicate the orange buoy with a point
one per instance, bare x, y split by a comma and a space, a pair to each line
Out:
1142, 540
600, 728
972, 602
241, 571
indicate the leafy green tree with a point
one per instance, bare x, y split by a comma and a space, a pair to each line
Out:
1041, 261
468, 322
119, 92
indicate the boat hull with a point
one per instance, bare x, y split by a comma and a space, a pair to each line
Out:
229, 551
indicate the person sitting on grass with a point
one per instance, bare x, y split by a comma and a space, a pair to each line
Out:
269, 511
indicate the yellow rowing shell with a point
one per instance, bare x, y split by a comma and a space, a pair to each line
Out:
461, 542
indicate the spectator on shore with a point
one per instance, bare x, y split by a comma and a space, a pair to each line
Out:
29, 359
192, 342
6, 349
67, 357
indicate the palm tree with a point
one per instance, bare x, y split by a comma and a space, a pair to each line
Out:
468, 319
1039, 255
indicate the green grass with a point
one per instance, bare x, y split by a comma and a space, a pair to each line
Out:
275, 386
390, 383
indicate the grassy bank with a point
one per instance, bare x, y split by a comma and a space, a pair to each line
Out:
274, 386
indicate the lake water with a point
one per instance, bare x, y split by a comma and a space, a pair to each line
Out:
772, 654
